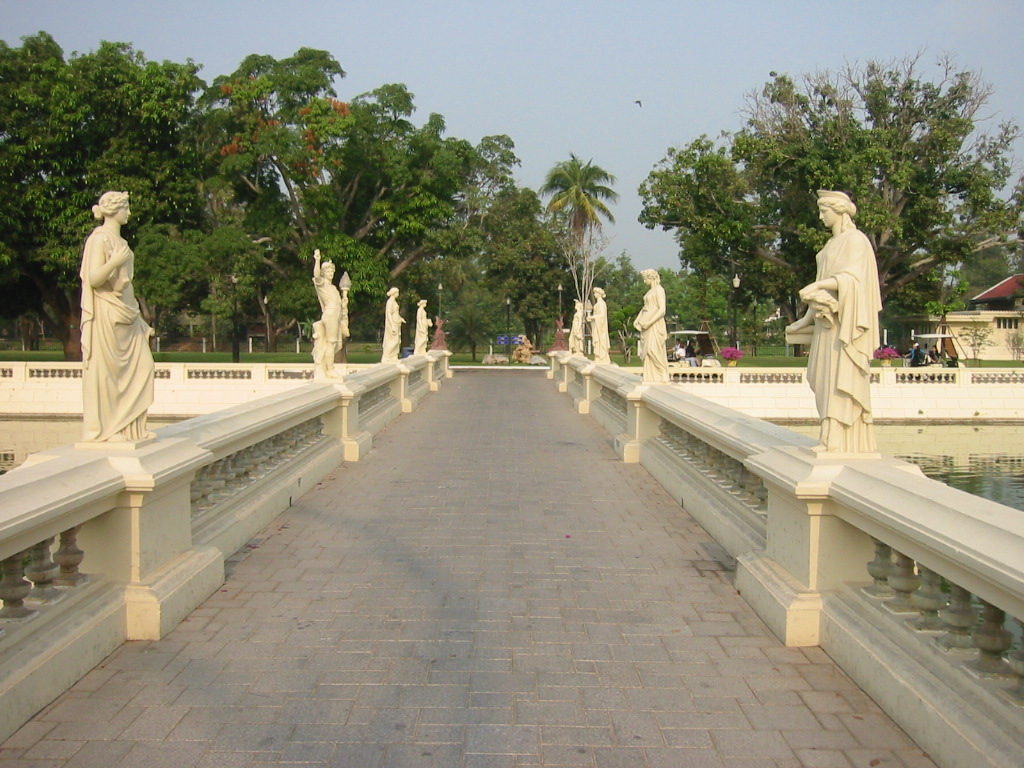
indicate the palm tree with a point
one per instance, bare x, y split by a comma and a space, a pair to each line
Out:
580, 189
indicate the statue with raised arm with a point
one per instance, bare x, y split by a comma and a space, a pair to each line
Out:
653, 331
598, 319
392, 329
576, 329
841, 328
330, 331
423, 325
117, 365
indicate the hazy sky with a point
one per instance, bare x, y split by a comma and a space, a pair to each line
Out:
561, 77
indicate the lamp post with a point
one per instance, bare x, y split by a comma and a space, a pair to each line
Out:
235, 354
735, 292
440, 288
559, 300
508, 327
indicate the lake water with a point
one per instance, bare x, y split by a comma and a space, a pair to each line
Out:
985, 459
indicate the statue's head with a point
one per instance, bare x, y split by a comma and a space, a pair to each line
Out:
599, 293
110, 204
392, 292
838, 203
327, 270
651, 276
421, 303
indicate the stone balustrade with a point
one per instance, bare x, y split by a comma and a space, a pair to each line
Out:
102, 543
916, 589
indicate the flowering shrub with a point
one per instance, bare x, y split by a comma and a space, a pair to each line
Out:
886, 353
731, 353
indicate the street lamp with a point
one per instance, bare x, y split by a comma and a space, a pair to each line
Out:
508, 327
559, 301
440, 288
735, 292
235, 353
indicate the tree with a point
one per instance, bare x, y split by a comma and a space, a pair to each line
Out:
579, 192
521, 259
927, 181
71, 130
976, 336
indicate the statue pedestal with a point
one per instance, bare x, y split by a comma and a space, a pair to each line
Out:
809, 551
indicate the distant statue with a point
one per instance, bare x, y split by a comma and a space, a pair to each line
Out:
841, 327
440, 341
392, 328
598, 318
576, 329
422, 327
523, 353
560, 343
117, 366
653, 332
331, 330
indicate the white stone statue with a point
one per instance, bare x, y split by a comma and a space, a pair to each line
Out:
423, 325
598, 318
392, 329
117, 366
331, 330
653, 331
576, 329
841, 327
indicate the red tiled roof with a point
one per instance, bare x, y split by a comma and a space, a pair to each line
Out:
1004, 290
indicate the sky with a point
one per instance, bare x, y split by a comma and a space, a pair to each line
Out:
564, 77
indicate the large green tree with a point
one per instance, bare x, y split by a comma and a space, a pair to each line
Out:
71, 129
928, 181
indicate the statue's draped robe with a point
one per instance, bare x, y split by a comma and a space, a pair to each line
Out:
654, 336
117, 365
576, 333
838, 365
599, 331
422, 327
392, 331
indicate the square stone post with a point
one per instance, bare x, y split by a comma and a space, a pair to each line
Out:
641, 425
809, 550
146, 540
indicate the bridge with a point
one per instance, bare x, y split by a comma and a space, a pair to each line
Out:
499, 568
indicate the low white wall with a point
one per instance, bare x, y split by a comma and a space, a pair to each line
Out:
896, 393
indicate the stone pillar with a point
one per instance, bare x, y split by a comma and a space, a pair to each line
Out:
809, 549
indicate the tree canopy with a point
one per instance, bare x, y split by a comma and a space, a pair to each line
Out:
929, 183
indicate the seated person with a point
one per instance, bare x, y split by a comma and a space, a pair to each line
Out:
916, 356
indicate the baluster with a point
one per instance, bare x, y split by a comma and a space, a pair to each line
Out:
69, 557
903, 581
929, 600
14, 587
879, 570
1016, 662
41, 571
959, 617
992, 640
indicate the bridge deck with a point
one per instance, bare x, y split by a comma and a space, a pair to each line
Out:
489, 587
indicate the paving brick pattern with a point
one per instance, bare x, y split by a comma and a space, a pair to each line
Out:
489, 588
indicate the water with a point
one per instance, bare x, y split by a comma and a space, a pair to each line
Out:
984, 459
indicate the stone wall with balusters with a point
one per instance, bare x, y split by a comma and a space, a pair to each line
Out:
101, 543
915, 588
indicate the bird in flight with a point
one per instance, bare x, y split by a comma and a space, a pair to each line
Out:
638, 103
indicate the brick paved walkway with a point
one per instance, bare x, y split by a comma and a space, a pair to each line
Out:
490, 587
